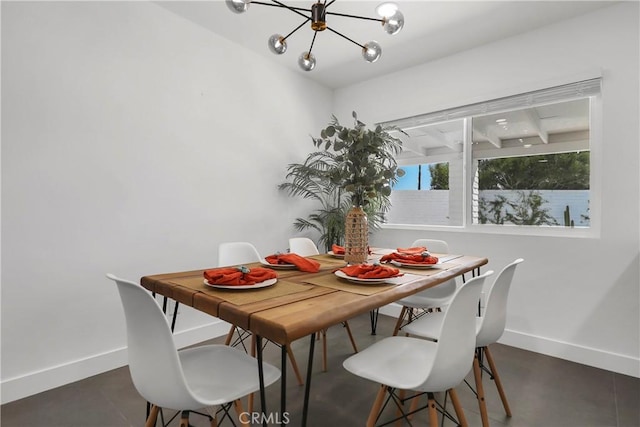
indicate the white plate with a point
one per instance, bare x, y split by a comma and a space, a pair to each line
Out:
255, 286
278, 266
335, 255
343, 275
408, 265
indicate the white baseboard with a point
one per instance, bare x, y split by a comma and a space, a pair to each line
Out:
56, 376
589, 356
597, 358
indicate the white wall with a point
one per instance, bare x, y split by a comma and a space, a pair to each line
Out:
133, 142
575, 298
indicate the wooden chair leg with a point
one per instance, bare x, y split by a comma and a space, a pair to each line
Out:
232, 329
458, 407
184, 419
294, 365
324, 350
153, 416
496, 378
237, 405
403, 312
433, 413
214, 421
377, 404
480, 391
353, 342
292, 359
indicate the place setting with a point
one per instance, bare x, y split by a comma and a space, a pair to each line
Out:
368, 274
240, 278
414, 258
290, 261
337, 251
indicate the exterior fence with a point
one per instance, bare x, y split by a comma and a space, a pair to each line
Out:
431, 207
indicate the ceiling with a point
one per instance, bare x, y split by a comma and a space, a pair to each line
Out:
433, 29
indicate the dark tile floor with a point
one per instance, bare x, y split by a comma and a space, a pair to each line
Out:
542, 391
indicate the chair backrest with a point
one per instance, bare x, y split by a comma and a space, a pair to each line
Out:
234, 253
432, 245
303, 246
153, 358
457, 338
494, 315
437, 247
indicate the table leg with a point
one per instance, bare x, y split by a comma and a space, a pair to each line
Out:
373, 314
263, 406
283, 380
307, 384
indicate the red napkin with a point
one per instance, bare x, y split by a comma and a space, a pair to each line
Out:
303, 264
236, 276
370, 271
339, 250
416, 250
409, 259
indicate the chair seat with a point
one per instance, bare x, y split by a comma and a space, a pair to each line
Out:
429, 327
437, 296
232, 375
399, 362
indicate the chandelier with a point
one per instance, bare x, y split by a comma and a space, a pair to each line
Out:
391, 19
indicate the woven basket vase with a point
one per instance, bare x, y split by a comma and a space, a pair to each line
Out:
356, 236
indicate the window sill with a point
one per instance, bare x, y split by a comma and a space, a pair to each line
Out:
515, 230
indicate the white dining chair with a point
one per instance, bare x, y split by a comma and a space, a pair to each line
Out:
402, 363
416, 305
208, 376
304, 246
236, 253
489, 328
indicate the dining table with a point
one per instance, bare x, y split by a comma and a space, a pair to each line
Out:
299, 304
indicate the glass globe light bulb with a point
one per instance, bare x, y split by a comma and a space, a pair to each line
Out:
386, 9
277, 44
394, 23
307, 61
238, 6
372, 51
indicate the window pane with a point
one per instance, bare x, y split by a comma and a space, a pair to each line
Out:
433, 156
532, 166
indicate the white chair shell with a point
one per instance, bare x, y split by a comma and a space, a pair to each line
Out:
303, 246
191, 379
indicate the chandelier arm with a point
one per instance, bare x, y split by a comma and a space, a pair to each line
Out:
345, 37
296, 29
353, 16
315, 33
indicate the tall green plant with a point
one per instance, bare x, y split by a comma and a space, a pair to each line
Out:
365, 163
352, 166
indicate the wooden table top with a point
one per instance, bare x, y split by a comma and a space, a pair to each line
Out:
302, 303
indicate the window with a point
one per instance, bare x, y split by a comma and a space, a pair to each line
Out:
431, 192
523, 160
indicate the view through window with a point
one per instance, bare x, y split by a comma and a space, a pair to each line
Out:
523, 160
